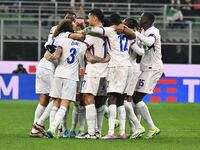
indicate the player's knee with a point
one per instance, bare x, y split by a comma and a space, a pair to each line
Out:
137, 97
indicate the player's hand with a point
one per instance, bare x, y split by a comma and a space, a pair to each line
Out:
89, 56
82, 72
107, 59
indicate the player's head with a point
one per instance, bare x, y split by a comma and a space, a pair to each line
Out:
65, 25
70, 15
146, 19
115, 19
80, 23
95, 16
131, 23
106, 22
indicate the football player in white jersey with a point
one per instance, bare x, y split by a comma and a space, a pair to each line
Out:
136, 129
95, 70
120, 72
66, 74
151, 67
51, 45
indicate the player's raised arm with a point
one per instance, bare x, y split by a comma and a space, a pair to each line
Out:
149, 41
137, 49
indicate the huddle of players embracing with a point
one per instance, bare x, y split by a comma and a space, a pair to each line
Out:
87, 66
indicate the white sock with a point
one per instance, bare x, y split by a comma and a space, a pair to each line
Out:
106, 112
63, 123
137, 113
75, 116
131, 115
122, 119
45, 114
112, 119
81, 118
143, 109
53, 114
38, 112
100, 115
58, 118
91, 115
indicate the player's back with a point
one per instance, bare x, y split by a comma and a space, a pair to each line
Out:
68, 65
118, 48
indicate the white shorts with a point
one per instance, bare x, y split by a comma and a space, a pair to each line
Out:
90, 85
133, 84
43, 81
64, 89
102, 91
119, 79
148, 80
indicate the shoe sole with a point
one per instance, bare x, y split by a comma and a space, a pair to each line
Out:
49, 134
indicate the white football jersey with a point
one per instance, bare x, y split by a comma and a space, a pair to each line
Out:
68, 66
118, 48
97, 47
152, 58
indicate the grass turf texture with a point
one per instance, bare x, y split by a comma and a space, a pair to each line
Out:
179, 124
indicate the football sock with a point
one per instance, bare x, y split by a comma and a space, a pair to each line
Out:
75, 116
112, 119
131, 115
91, 115
106, 112
100, 115
122, 119
58, 118
45, 114
81, 118
143, 109
53, 114
137, 113
38, 112
63, 122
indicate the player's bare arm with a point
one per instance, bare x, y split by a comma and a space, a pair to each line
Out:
77, 36
96, 59
55, 55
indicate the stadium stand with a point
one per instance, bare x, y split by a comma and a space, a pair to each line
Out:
22, 19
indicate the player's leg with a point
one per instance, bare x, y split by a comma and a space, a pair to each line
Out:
81, 116
136, 129
144, 111
112, 100
121, 115
58, 118
74, 118
100, 107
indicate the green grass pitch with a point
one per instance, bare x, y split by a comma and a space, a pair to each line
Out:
179, 124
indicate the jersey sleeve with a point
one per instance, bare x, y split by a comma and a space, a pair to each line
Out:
108, 31
136, 48
147, 40
88, 41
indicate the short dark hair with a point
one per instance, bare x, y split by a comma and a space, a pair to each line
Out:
106, 22
115, 19
149, 16
131, 23
98, 13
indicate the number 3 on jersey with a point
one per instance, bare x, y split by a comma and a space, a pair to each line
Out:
71, 58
